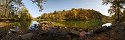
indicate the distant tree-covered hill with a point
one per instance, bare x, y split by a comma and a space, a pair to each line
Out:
83, 18
73, 14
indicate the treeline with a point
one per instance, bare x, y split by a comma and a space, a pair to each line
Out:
73, 14
13, 10
22, 14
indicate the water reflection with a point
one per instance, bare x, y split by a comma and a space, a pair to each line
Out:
24, 25
107, 24
21, 26
13, 29
33, 27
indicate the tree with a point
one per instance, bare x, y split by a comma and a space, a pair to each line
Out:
19, 3
116, 6
39, 3
122, 18
10, 8
24, 15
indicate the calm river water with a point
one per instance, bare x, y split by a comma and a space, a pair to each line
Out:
22, 26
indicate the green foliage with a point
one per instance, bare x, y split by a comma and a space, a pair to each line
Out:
24, 15
10, 9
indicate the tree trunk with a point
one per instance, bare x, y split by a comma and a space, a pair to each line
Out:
118, 15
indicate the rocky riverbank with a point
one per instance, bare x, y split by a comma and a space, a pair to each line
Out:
54, 33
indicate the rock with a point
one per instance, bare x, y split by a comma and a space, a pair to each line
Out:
74, 32
27, 36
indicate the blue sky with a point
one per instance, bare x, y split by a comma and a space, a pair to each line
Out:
52, 5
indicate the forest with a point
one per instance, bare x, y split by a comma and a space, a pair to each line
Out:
73, 14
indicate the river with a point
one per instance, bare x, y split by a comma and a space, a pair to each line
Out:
22, 26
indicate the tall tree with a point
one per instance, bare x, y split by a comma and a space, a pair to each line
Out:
116, 6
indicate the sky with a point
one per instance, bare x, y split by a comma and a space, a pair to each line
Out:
52, 5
